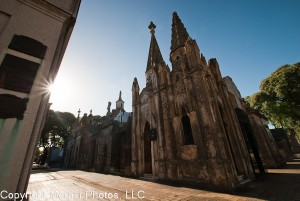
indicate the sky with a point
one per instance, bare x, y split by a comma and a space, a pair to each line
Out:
110, 43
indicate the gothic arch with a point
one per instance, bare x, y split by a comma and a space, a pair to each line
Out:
147, 149
187, 129
154, 79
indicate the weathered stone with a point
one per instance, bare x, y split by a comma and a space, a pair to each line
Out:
104, 147
188, 152
198, 134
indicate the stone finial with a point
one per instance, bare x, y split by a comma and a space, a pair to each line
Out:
152, 27
108, 107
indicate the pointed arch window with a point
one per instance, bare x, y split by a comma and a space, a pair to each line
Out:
187, 129
147, 149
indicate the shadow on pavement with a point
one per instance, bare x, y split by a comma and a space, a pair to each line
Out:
278, 184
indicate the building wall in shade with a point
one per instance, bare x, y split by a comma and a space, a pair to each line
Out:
33, 38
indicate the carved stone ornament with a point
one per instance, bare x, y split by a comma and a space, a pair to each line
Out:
179, 87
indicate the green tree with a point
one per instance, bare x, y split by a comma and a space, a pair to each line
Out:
279, 97
57, 128
97, 119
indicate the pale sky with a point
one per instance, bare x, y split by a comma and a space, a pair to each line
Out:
110, 43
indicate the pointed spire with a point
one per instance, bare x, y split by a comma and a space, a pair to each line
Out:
135, 83
120, 102
179, 33
154, 56
120, 95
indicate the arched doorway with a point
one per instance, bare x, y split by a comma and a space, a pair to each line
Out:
147, 150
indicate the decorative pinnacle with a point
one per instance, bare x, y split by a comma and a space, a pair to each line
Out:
179, 33
120, 95
152, 27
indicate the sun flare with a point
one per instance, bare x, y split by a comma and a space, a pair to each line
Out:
60, 92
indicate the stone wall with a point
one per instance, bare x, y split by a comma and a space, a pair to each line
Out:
190, 108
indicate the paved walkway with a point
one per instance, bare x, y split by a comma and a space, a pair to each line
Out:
278, 184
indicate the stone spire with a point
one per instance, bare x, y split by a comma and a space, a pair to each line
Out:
120, 102
154, 57
179, 33
120, 95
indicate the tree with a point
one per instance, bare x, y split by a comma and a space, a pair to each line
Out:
279, 97
57, 128
97, 119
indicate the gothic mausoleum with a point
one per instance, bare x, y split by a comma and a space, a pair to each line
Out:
185, 123
188, 125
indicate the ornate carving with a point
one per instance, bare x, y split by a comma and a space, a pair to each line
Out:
179, 87
144, 100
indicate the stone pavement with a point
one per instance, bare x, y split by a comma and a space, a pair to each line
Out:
278, 184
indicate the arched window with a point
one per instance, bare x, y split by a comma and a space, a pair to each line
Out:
147, 150
187, 129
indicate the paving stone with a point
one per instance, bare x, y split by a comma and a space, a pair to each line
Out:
278, 184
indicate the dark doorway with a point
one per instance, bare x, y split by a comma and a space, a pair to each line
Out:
70, 157
75, 161
104, 158
251, 142
92, 154
147, 150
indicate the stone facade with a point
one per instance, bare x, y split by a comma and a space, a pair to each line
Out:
258, 135
184, 126
33, 38
267, 146
295, 144
283, 143
104, 147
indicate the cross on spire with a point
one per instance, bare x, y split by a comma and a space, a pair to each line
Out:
79, 112
152, 27
154, 56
